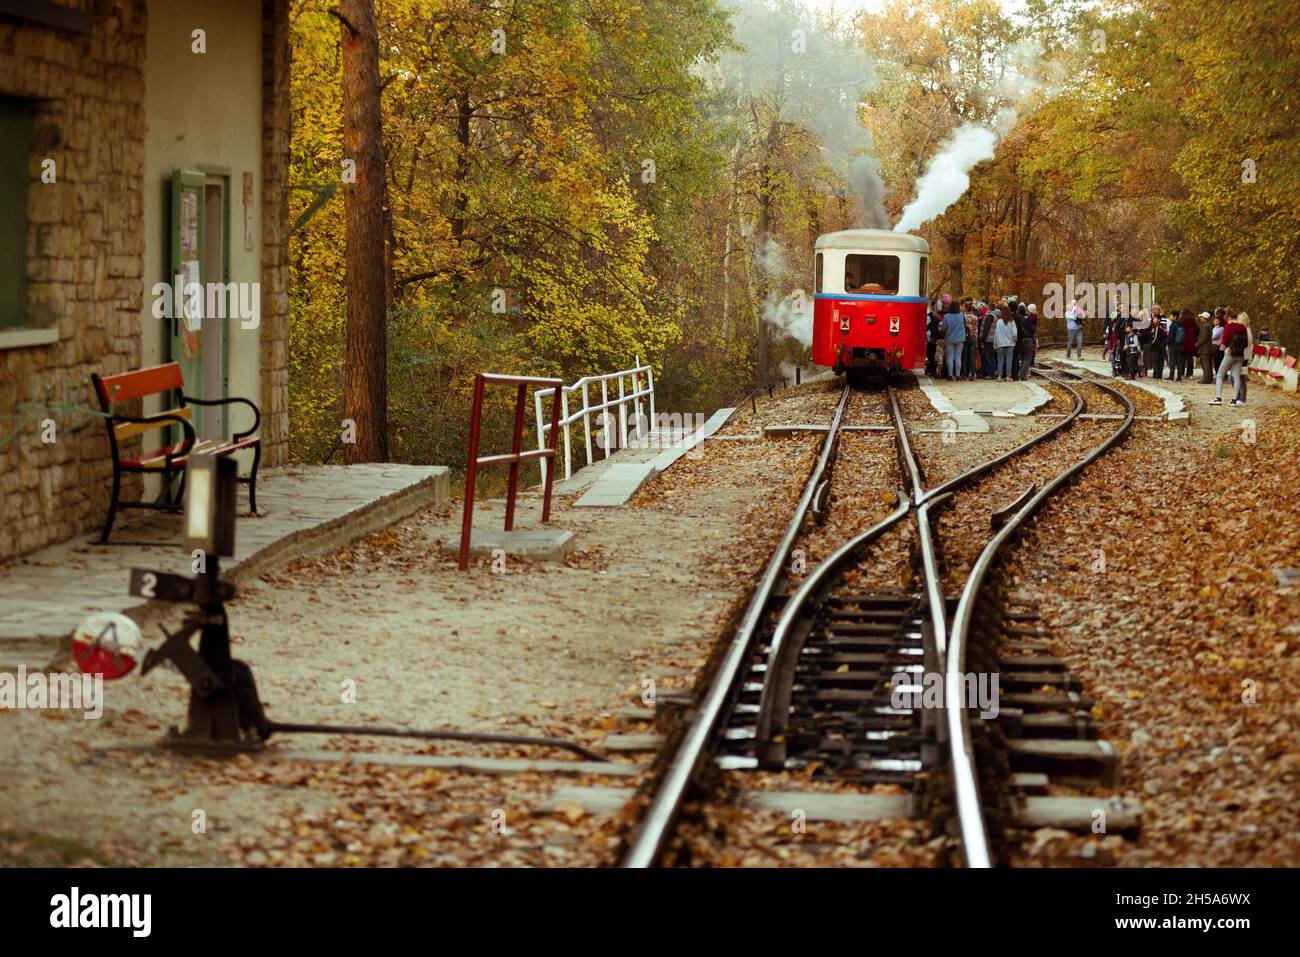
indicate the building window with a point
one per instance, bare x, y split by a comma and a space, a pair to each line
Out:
15, 134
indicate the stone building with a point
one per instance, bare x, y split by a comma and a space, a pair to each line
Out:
139, 140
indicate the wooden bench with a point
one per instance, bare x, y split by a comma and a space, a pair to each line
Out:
170, 459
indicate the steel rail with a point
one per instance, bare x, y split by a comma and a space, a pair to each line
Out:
954, 483
937, 497
646, 843
970, 816
648, 840
792, 629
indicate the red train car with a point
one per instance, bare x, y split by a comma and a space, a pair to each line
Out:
869, 305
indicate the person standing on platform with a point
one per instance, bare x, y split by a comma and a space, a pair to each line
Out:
1027, 344
1159, 344
1145, 336
972, 340
1174, 345
1240, 397
1236, 339
1187, 345
1205, 348
1074, 329
988, 367
1004, 341
1132, 351
954, 339
934, 339
1216, 337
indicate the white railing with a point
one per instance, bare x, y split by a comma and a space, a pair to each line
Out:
630, 393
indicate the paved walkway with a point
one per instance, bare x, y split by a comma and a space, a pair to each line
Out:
969, 401
611, 482
306, 511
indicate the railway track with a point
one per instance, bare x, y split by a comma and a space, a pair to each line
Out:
812, 675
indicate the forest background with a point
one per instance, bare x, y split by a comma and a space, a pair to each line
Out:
574, 183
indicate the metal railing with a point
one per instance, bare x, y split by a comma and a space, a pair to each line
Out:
630, 393
516, 455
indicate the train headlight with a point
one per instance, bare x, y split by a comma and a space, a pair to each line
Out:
844, 324
893, 325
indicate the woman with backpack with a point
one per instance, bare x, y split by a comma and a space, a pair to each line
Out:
1244, 319
1236, 339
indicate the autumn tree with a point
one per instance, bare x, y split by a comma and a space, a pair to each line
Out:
366, 372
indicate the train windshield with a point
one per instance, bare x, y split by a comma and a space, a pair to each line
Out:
871, 274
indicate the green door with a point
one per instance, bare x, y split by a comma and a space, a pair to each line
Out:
186, 334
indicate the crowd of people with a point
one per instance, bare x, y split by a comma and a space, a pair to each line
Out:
1147, 343
970, 339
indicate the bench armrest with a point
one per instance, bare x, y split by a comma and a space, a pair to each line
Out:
190, 435
257, 413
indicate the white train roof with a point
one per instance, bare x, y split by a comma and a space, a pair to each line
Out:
872, 240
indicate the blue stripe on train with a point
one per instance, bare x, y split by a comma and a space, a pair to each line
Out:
867, 298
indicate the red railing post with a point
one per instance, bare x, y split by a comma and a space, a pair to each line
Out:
514, 458
471, 473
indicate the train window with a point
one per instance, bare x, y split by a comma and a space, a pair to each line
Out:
871, 274
817, 279
924, 289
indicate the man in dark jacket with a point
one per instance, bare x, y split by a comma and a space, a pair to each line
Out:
1186, 357
1027, 338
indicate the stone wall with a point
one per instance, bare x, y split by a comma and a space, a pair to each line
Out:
85, 249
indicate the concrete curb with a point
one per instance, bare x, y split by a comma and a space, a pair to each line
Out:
1175, 407
318, 540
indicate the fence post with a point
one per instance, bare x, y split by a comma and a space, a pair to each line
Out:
541, 432
516, 447
564, 413
622, 413
586, 420
471, 473
605, 422
650, 378
550, 473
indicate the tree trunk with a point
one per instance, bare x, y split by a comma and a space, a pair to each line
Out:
765, 226
460, 201
732, 208
957, 250
365, 379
